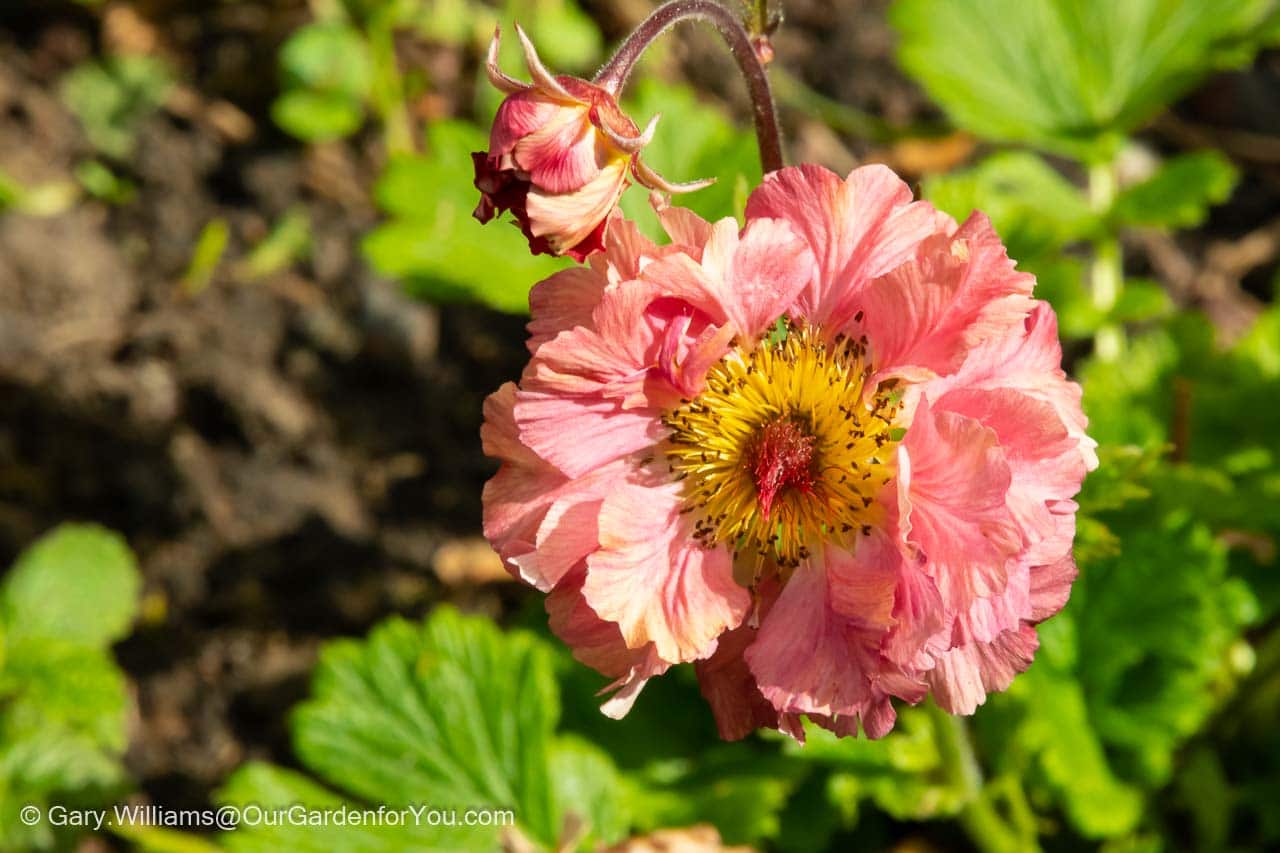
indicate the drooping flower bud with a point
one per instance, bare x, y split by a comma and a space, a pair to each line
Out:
560, 153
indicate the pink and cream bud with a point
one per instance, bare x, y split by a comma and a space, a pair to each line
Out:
561, 152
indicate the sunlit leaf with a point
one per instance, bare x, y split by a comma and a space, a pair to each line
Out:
1072, 76
1179, 194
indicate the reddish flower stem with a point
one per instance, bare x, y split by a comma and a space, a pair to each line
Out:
613, 76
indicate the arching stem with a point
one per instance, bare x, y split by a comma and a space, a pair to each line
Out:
613, 76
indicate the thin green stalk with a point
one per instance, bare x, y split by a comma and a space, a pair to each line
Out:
981, 820
388, 87
1107, 271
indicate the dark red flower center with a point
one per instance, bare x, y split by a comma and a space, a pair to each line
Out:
781, 457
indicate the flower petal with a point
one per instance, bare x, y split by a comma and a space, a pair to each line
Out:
966, 674
566, 219
858, 229
599, 645
561, 302
810, 659
657, 583
578, 435
922, 318
952, 485
746, 281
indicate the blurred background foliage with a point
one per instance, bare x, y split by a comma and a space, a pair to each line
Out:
1148, 721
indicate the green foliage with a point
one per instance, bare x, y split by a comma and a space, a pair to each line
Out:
1072, 76
90, 577
739, 790
101, 183
432, 243
327, 76
904, 773
46, 199
210, 246
288, 240
1179, 194
1043, 218
452, 714
1149, 646
113, 97
1035, 209
1128, 671
62, 698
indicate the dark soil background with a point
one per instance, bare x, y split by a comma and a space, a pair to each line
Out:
296, 458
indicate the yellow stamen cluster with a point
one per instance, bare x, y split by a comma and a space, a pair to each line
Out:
813, 387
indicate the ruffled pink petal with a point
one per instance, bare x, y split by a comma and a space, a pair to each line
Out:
584, 360
921, 622
1044, 459
626, 250
729, 687
517, 496
746, 281
988, 617
684, 227
540, 522
566, 219
652, 579
561, 302
565, 537
809, 659
922, 318
599, 645
1027, 357
519, 115
685, 358
952, 486
864, 584
578, 435
965, 675
1051, 586
858, 229
633, 342
562, 154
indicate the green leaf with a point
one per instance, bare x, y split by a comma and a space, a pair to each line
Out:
1032, 207
902, 773
289, 240
1141, 299
1133, 666
434, 245
1179, 194
57, 683
1056, 727
62, 699
112, 99
451, 713
327, 57
317, 116
207, 254
78, 584
740, 791
328, 76
271, 788
1072, 76
102, 183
